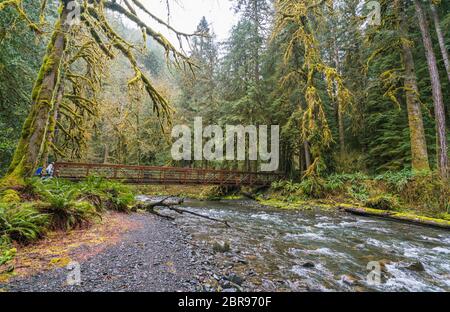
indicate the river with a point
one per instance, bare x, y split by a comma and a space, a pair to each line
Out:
317, 250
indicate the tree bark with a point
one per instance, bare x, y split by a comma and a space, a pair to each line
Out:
440, 36
419, 150
308, 161
301, 160
437, 89
31, 144
338, 106
257, 25
106, 154
51, 132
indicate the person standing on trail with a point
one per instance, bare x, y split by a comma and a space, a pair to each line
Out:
39, 172
50, 170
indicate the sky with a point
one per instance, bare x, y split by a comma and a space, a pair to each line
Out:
186, 14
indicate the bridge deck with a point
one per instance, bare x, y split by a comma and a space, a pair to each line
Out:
164, 175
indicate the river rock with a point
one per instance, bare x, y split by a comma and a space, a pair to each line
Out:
349, 280
308, 265
240, 260
221, 247
416, 267
235, 279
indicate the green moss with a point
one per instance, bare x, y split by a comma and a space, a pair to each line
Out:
412, 217
10, 197
399, 216
276, 203
27, 154
445, 216
12, 180
298, 204
60, 262
383, 202
232, 197
7, 254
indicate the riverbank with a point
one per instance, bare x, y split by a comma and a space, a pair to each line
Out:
352, 199
98, 225
48, 224
265, 249
137, 252
419, 198
358, 209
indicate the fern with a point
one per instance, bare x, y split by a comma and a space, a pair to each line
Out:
22, 224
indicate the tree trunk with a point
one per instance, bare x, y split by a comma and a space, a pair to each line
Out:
308, 161
338, 106
440, 36
419, 150
51, 132
106, 154
257, 25
437, 90
301, 161
138, 137
31, 144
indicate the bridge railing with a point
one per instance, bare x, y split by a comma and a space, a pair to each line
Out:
163, 175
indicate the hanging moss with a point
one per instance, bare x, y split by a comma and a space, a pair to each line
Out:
95, 28
35, 128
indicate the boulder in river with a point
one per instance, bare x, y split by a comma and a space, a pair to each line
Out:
416, 267
308, 265
383, 264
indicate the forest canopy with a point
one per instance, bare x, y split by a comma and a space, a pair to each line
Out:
350, 95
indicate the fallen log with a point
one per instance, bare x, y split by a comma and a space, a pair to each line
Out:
151, 208
182, 211
154, 212
396, 216
158, 203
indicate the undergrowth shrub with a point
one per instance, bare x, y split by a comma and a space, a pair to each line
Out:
55, 204
420, 191
10, 197
358, 191
309, 188
120, 202
424, 191
108, 195
397, 181
22, 224
383, 202
313, 187
7, 253
65, 211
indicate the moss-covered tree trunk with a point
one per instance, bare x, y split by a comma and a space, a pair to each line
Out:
338, 104
419, 152
438, 98
51, 131
32, 141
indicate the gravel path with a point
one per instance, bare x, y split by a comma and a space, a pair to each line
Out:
155, 257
